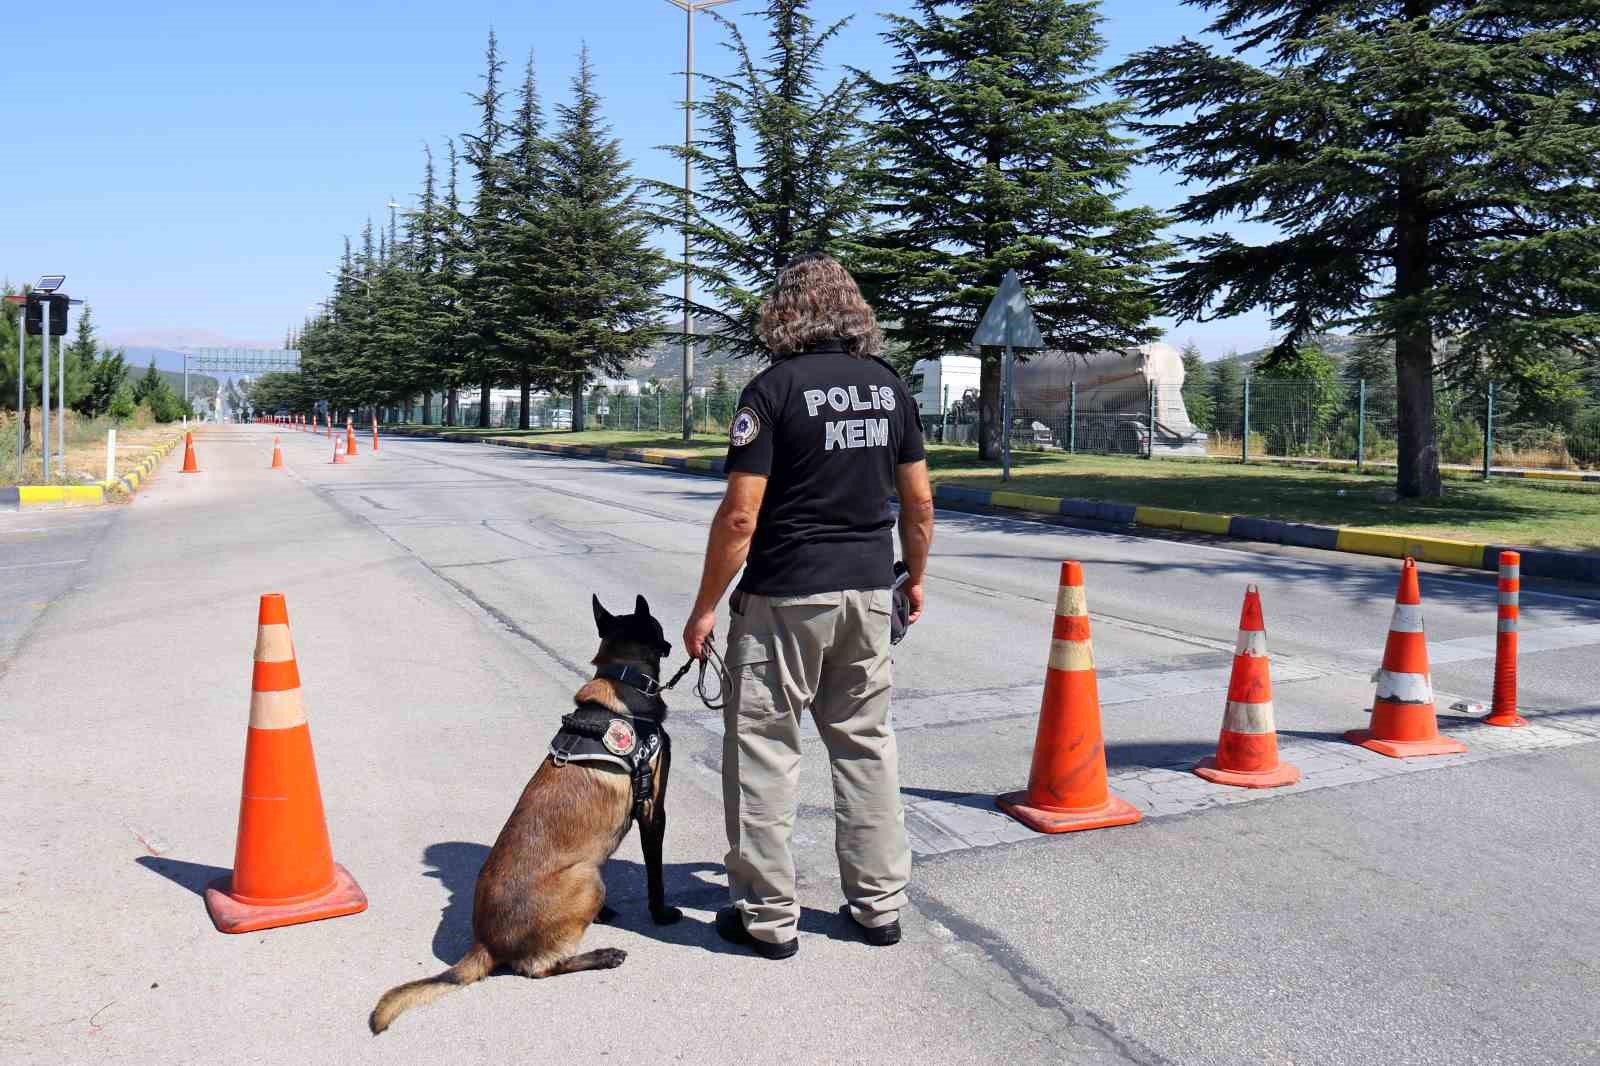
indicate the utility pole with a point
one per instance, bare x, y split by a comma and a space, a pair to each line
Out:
689, 8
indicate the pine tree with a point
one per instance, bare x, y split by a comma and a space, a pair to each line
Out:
10, 324
1001, 155
782, 160
599, 271
1227, 395
1197, 380
1428, 165
487, 311
528, 207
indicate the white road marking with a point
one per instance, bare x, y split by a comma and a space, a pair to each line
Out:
33, 566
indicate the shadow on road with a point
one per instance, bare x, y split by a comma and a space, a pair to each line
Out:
191, 875
456, 864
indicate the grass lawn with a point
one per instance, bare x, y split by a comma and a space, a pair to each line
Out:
1502, 511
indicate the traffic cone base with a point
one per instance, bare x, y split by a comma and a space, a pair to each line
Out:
1278, 776
1511, 721
1114, 811
231, 914
1405, 749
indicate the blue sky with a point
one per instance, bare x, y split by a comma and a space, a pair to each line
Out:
199, 163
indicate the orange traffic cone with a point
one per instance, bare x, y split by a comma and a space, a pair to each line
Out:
350, 437
1067, 782
283, 868
189, 465
1247, 750
338, 452
277, 455
1404, 723
374, 432
1504, 712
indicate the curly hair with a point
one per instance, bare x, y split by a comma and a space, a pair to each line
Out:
816, 300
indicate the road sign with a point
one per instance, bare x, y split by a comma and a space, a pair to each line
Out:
1023, 332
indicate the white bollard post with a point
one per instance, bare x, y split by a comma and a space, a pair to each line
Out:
111, 453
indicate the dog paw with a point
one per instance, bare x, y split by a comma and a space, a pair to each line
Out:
606, 915
609, 958
666, 915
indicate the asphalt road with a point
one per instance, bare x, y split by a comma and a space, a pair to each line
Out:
1432, 911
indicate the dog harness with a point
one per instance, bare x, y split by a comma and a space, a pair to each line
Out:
597, 735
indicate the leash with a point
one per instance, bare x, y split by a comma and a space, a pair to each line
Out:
709, 660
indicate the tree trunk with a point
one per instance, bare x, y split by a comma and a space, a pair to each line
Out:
1417, 464
427, 408
27, 427
577, 403
450, 406
989, 428
527, 389
485, 397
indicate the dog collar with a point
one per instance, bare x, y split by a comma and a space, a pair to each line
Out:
630, 676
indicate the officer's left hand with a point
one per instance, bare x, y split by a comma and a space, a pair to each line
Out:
700, 627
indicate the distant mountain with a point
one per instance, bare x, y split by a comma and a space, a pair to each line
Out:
1335, 345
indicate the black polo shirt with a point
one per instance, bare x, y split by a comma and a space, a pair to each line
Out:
827, 429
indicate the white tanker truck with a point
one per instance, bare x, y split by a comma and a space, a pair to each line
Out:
1113, 401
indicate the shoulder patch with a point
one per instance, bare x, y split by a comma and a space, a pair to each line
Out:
620, 737
746, 427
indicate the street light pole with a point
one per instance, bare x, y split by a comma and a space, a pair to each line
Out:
689, 8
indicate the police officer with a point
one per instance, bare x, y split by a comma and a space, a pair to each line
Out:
822, 440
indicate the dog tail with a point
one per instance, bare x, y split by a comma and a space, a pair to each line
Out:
473, 966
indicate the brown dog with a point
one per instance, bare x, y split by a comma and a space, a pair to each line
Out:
540, 887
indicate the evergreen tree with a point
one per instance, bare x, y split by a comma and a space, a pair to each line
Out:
1197, 381
1429, 166
105, 380
782, 160
80, 361
528, 187
599, 272
1227, 395
1001, 155
487, 310
10, 324
149, 385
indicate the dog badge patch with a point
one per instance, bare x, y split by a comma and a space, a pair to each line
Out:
746, 427
620, 739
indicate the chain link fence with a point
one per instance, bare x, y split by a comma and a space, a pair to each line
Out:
1338, 420
653, 410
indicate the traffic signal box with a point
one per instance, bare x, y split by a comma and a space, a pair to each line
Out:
35, 314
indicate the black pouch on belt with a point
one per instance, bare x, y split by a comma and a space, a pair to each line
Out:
900, 609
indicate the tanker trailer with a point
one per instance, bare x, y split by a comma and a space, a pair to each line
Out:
1112, 402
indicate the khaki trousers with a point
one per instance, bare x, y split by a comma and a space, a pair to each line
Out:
828, 653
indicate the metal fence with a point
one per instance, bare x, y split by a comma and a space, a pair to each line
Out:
660, 412
1267, 420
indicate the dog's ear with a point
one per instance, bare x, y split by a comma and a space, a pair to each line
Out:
640, 607
602, 617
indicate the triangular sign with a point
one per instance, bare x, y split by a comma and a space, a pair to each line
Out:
1024, 330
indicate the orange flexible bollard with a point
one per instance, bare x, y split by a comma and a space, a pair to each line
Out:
1509, 618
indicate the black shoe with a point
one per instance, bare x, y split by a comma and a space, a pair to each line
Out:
879, 936
730, 927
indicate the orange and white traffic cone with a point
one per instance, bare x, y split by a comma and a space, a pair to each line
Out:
1067, 788
1404, 722
283, 868
350, 438
374, 432
1504, 712
338, 452
277, 455
189, 464
1247, 750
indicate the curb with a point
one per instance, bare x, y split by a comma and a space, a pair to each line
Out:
27, 497
1536, 562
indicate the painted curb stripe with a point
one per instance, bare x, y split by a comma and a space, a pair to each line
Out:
1537, 562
